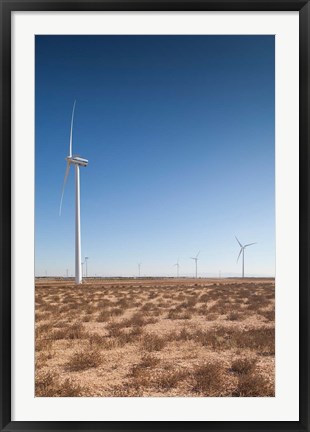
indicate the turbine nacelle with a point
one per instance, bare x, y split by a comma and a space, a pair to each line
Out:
77, 160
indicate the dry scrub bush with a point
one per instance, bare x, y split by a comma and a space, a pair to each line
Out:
117, 311
268, 315
43, 344
128, 337
147, 363
209, 316
208, 379
48, 385
204, 298
137, 320
184, 335
243, 366
152, 342
82, 360
253, 385
73, 331
261, 340
144, 375
233, 316
174, 314
168, 379
148, 306
42, 358
104, 316
96, 340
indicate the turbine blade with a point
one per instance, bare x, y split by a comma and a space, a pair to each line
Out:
239, 242
71, 129
239, 254
250, 244
198, 254
63, 188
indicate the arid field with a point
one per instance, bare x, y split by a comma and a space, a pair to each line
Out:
155, 337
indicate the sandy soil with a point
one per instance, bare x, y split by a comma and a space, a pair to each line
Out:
155, 337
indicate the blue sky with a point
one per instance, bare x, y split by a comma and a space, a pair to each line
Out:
179, 134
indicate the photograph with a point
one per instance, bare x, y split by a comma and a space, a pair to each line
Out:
154, 216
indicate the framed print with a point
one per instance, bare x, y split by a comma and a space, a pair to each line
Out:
154, 215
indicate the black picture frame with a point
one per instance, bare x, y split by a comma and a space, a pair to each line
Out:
9, 6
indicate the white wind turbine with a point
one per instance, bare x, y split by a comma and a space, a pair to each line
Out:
196, 259
242, 248
178, 267
77, 162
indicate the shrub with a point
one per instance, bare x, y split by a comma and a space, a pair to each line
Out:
243, 365
103, 316
74, 331
253, 385
48, 385
43, 344
168, 379
208, 379
82, 360
152, 342
204, 298
233, 316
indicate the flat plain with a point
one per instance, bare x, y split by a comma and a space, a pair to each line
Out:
155, 337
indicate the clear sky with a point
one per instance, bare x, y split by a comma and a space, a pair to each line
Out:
179, 134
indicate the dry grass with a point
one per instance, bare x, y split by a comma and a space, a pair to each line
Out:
48, 384
152, 342
208, 379
243, 365
253, 385
155, 338
82, 360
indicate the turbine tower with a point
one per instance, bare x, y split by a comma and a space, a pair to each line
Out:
86, 259
178, 267
77, 162
196, 259
139, 268
242, 248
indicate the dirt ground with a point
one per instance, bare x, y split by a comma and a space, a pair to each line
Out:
155, 337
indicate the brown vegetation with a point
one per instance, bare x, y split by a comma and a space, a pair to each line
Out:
155, 338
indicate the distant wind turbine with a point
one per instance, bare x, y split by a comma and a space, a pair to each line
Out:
86, 259
139, 268
77, 162
242, 248
196, 259
178, 267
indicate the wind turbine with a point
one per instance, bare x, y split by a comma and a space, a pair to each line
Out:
139, 268
86, 258
178, 267
77, 162
196, 259
242, 248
